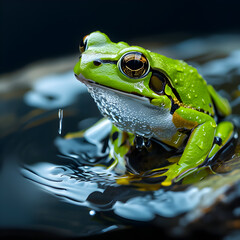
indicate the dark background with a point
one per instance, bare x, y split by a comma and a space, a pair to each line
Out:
32, 30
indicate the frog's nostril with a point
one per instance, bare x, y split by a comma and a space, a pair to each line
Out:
97, 63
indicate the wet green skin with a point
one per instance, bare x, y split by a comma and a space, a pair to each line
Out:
195, 112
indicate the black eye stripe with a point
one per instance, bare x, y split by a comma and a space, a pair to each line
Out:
97, 62
108, 61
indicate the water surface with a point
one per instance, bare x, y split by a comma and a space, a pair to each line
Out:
57, 185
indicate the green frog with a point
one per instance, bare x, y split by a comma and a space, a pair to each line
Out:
150, 97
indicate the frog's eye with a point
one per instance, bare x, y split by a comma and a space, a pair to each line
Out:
83, 44
134, 65
157, 82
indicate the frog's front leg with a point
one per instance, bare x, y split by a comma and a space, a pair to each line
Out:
120, 143
199, 143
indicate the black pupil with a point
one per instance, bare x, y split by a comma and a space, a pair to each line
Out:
134, 64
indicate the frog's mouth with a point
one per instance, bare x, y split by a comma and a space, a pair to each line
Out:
131, 112
89, 83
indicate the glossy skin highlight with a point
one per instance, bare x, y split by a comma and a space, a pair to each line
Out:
185, 103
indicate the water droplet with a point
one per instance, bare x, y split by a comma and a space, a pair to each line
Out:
213, 124
200, 145
60, 116
92, 212
179, 69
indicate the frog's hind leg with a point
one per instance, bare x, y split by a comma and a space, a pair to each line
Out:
224, 141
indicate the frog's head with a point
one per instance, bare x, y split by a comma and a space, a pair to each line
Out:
121, 80
118, 66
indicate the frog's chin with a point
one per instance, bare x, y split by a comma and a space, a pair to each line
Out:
89, 83
132, 113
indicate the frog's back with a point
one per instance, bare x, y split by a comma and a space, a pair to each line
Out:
185, 79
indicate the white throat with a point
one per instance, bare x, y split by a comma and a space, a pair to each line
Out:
133, 113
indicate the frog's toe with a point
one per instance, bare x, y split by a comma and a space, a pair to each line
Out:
169, 180
173, 174
160, 175
167, 183
168, 175
177, 173
157, 172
